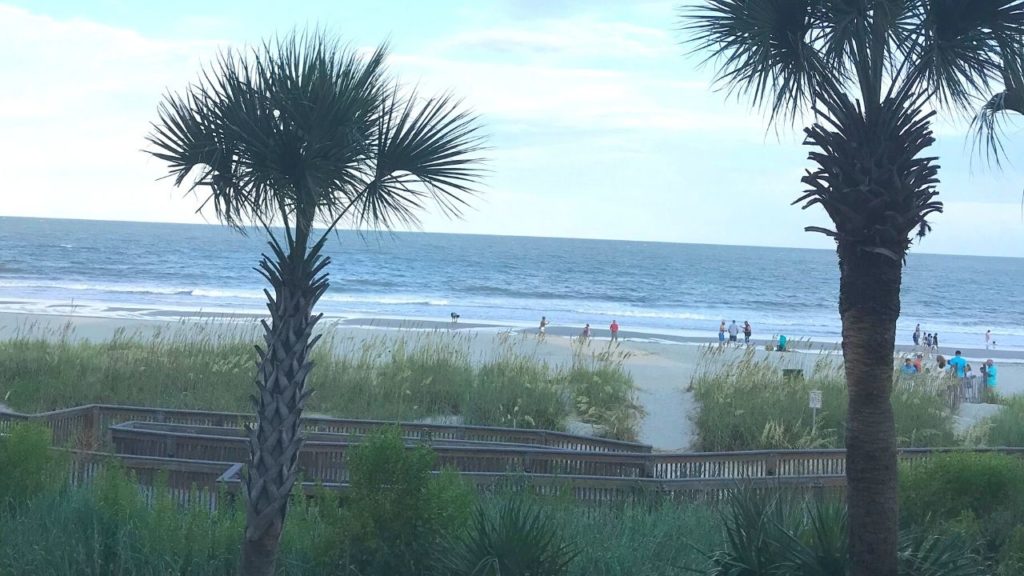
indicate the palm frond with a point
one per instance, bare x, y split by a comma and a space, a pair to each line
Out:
987, 124
960, 46
763, 50
426, 150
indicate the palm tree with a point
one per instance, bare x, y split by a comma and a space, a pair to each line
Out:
867, 75
295, 133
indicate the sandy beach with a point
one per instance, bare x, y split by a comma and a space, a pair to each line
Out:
661, 365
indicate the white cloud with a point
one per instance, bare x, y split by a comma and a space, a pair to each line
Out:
572, 37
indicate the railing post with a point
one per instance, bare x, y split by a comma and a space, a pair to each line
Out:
771, 464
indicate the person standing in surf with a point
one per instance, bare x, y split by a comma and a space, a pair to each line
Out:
734, 333
721, 333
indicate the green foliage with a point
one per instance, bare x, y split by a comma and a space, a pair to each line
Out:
944, 487
407, 377
604, 392
519, 539
1005, 428
978, 495
397, 513
28, 466
779, 535
748, 404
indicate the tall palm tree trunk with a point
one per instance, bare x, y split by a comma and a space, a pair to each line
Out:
869, 303
284, 366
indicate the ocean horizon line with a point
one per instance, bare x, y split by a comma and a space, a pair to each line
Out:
383, 233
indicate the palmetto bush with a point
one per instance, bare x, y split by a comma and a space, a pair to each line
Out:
784, 535
517, 539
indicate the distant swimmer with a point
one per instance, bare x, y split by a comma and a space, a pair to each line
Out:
614, 328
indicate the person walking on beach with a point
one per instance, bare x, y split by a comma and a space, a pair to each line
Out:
935, 341
747, 331
917, 335
928, 340
543, 325
614, 329
721, 333
988, 339
734, 332
585, 335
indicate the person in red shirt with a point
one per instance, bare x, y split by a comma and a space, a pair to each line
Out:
615, 331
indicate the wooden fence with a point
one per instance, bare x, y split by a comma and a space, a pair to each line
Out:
87, 427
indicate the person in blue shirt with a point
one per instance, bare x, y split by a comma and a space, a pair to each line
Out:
990, 373
782, 343
958, 365
908, 367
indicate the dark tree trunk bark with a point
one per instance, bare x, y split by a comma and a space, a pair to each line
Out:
283, 368
869, 303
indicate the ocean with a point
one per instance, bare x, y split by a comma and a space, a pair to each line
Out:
142, 270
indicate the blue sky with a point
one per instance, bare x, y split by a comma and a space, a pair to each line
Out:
600, 125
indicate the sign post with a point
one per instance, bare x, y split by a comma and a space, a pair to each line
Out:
815, 403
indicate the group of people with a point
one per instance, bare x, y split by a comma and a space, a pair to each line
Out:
958, 368
734, 332
930, 340
585, 334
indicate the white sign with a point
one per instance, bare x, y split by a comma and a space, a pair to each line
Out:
815, 398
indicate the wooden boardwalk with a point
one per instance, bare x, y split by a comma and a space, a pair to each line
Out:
201, 454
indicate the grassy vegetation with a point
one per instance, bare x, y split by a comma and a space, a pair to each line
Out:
397, 520
419, 375
1005, 428
748, 404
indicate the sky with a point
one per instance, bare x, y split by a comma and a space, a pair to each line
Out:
600, 123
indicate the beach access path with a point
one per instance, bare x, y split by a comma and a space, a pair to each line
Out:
661, 366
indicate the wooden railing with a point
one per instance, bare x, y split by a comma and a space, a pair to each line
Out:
86, 427
323, 456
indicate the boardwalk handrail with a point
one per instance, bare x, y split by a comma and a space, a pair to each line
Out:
86, 425
324, 456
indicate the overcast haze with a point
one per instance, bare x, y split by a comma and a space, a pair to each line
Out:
600, 125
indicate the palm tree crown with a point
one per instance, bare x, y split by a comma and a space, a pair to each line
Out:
303, 128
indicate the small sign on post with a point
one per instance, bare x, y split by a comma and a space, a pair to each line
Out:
815, 403
815, 399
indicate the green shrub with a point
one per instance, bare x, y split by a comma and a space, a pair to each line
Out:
1005, 428
946, 486
28, 466
776, 535
519, 539
396, 512
748, 404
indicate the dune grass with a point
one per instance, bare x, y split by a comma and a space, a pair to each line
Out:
411, 376
748, 404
